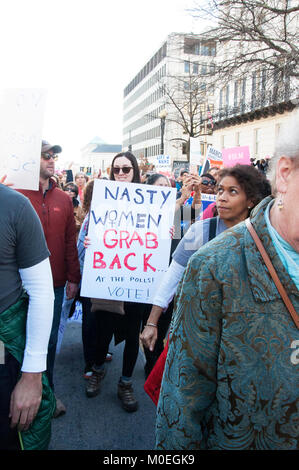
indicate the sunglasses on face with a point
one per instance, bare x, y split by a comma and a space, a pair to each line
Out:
48, 156
208, 182
125, 169
70, 190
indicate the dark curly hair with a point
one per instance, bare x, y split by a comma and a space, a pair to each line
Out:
253, 182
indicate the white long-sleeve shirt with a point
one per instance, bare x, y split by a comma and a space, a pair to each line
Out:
196, 236
38, 283
168, 285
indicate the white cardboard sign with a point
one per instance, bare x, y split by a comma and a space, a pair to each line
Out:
21, 123
130, 241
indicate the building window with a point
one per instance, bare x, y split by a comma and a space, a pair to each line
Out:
257, 140
187, 66
203, 87
208, 49
211, 89
236, 93
227, 97
253, 90
195, 68
191, 46
220, 100
222, 141
204, 69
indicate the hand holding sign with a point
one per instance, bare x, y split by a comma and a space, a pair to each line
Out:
3, 181
129, 240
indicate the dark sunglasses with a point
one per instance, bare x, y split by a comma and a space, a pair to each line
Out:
208, 182
70, 190
48, 156
125, 169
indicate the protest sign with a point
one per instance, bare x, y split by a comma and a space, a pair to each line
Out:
21, 120
178, 165
196, 158
206, 200
130, 241
213, 158
235, 155
162, 161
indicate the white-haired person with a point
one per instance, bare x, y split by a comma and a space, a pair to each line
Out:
231, 378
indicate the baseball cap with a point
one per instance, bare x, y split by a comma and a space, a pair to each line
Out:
46, 146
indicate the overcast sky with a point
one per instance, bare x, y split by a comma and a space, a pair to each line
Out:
84, 53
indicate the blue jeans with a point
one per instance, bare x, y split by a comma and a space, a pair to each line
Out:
58, 291
88, 332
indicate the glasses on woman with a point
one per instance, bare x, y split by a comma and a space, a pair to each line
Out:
125, 169
48, 156
208, 182
70, 190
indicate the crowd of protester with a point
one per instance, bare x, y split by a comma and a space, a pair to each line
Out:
220, 341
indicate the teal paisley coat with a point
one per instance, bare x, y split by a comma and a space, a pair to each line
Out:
231, 379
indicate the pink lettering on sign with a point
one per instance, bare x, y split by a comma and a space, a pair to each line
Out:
235, 155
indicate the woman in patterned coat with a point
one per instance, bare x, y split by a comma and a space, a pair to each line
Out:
231, 379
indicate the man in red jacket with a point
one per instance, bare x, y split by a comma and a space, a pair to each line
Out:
55, 210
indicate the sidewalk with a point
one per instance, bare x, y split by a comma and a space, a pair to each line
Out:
98, 423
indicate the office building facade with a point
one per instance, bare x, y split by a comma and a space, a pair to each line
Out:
161, 103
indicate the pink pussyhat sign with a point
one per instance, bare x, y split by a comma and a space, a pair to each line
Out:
235, 155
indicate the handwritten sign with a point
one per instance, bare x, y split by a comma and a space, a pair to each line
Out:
130, 241
206, 200
21, 121
196, 157
162, 161
235, 155
213, 158
178, 165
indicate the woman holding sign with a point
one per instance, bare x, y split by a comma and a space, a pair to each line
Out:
116, 318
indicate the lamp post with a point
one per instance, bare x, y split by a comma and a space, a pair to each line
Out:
162, 117
130, 142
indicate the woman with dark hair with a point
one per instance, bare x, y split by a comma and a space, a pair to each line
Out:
240, 188
124, 169
157, 179
72, 190
208, 183
254, 184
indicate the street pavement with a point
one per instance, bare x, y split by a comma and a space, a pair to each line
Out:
98, 423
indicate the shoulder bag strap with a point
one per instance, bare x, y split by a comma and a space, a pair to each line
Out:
273, 273
212, 228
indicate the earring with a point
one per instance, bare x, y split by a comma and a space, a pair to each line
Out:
280, 204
